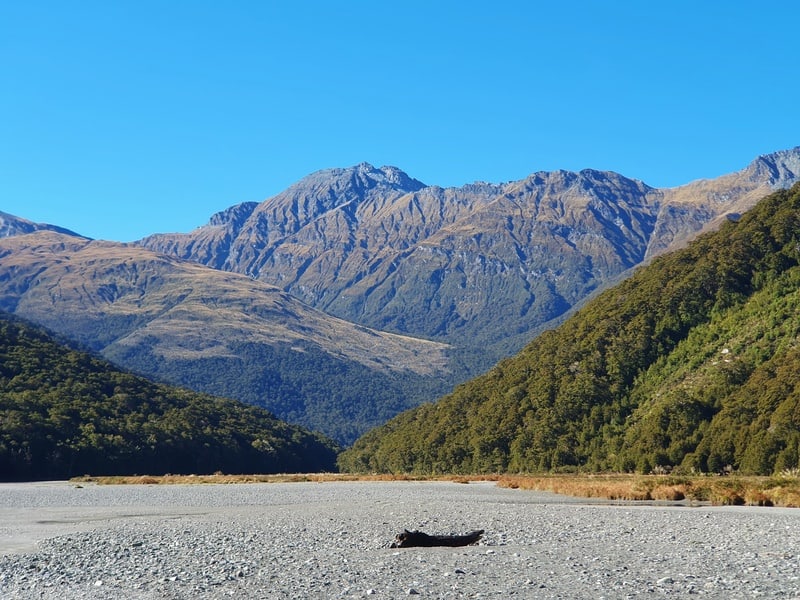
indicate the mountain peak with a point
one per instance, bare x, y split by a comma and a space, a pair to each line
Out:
781, 169
362, 176
11, 225
589, 179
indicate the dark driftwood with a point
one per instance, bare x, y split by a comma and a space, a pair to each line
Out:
408, 539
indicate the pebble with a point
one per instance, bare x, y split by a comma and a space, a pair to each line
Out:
331, 540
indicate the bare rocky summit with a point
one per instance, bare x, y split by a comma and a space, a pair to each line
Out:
11, 225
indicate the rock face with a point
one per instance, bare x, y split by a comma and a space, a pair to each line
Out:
482, 266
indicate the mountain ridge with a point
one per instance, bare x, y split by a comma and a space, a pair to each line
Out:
424, 260
11, 225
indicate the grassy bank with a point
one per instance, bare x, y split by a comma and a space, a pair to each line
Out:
718, 490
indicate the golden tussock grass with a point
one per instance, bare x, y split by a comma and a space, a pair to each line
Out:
220, 478
718, 490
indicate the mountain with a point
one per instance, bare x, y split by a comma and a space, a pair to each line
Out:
218, 332
691, 364
11, 225
702, 205
477, 270
65, 412
483, 267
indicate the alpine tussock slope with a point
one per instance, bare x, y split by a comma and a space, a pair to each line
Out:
111, 296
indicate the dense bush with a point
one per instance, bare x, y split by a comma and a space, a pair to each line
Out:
64, 412
304, 385
691, 364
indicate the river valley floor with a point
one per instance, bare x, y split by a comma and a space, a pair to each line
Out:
60, 540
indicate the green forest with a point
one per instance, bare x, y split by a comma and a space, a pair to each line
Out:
341, 398
65, 412
690, 365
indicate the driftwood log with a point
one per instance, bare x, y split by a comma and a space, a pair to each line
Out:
409, 539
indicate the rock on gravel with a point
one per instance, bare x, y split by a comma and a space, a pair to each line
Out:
331, 540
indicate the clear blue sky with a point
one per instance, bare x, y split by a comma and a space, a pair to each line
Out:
124, 118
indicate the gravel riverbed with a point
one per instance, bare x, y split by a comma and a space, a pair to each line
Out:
331, 540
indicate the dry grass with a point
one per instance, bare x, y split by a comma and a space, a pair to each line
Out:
718, 490
220, 478
729, 490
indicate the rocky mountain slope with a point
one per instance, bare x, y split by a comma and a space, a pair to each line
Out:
483, 266
690, 364
218, 332
13, 225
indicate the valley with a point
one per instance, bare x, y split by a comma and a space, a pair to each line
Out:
360, 293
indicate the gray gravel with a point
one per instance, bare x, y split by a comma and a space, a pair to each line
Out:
331, 540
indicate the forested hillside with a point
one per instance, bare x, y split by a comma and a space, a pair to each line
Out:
64, 412
219, 333
691, 364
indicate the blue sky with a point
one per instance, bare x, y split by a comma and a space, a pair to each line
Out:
124, 118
